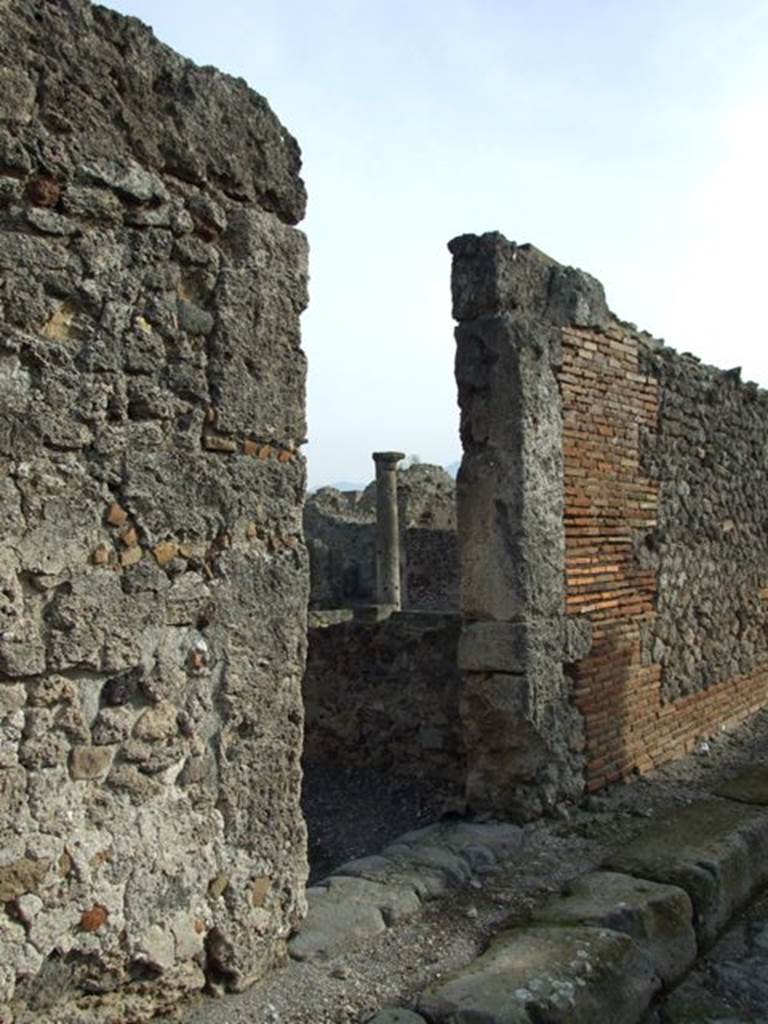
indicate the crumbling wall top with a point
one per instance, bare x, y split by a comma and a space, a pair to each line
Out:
493, 276
100, 86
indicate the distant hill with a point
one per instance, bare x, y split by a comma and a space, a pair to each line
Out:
345, 485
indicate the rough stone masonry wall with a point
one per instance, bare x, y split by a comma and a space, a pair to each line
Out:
656, 469
384, 695
429, 546
153, 581
340, 530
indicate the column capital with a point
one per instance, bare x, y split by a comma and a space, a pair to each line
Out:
388, 457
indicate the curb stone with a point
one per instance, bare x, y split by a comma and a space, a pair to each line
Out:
605, 948
577, 975
716, 850
347, 911
658, 918
600, 951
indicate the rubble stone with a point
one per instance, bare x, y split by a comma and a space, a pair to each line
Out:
152, 283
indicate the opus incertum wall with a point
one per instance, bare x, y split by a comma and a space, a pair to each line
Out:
609, 486
153, 580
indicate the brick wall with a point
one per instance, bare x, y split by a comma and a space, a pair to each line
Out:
611, 412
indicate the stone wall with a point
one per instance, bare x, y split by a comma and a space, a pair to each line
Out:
618, 488
384, 695
340, 527
709, 454
153, 576
427, 514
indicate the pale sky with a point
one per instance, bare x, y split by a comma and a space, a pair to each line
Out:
627, 138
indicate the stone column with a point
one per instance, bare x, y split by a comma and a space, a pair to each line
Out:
387, 531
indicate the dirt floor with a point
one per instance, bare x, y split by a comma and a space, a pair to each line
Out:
351, 815
352, 812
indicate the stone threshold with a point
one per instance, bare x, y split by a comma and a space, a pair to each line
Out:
603, 950
364, 897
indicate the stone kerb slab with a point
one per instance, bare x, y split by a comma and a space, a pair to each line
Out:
567, 974
717, 851
605, 947
659, 918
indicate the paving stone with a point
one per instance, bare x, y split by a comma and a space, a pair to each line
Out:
750, 787
693, 1003
396, 902
397, 1017
419, 835
397, 849
716, 850
425, 882
563, 975
501, 839
348, 911
481, 859
332, 925
365, 867
440, 859
430, 860
658, 917
731, 992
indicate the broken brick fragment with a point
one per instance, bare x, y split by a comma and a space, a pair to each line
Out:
165, 552
129, 536
259, 891
100, 555
93, 919
116, 515
44, 191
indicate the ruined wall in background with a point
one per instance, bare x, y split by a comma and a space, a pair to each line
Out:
153, 579
620, 487
384, 695
340, 527
426, 498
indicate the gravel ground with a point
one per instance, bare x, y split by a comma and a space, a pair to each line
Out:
354, 815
